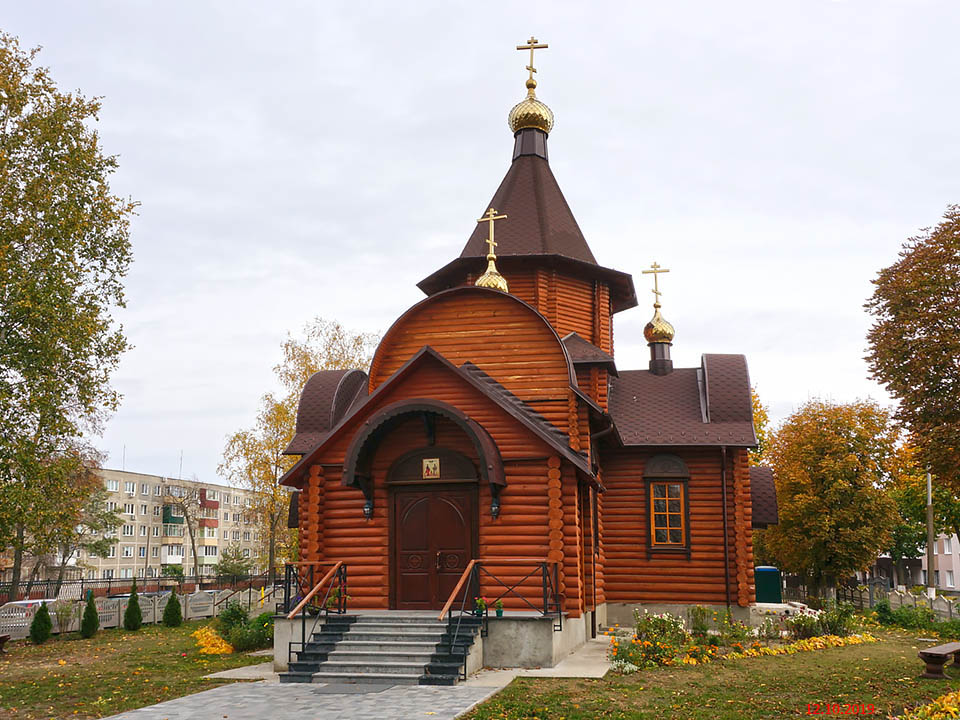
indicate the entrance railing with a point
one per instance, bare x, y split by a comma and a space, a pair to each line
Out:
299, 587
468, 590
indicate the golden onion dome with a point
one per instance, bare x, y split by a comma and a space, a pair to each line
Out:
658, 330
492, 278
530, 112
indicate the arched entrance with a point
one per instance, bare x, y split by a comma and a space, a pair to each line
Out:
433, 491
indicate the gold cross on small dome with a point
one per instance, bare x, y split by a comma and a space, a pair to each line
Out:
490, 216
655, 270
532, 44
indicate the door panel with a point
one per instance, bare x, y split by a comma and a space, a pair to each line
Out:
433, 541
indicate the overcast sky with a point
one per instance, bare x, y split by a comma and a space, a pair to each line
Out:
304, 159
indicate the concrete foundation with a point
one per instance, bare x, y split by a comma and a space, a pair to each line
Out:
622, 613
283, 632
518, 641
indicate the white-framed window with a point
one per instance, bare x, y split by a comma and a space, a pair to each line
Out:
208, 533
157, 510
212, 495
236, 534
174, 550
210, 550
236, 517
113, 485
949, 578
246, 536
143, 531
142, 551
143, 509
175, 511
128, 530
236, 499
226, 534
130, 487
158, 490
140, 572
126, 573
144, 488
156, 531
111, 505
108, 574
226, 517
154, 551
129, 509
226, 498
948, 545
246, 552
127, 551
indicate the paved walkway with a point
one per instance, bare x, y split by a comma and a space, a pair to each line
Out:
294, 701
258, 700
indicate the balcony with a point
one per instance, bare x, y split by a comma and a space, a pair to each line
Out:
173, 530
208, 522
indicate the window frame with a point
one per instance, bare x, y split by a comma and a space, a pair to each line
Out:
667, 470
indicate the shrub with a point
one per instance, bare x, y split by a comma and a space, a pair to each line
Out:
948, 629
232, 615
769, 629
41, 626
884, 613
172, 614
252, 635
91, 618
914, 618
803, 626
732, 631
698, 621
65, 611
133, 616
663, 628
837, 619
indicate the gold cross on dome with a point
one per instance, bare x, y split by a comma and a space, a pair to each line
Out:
532, 44
489, 217
655, 270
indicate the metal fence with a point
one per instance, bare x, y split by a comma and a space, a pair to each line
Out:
78, 589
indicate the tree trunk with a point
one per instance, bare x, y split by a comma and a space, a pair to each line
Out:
272, 549
17, 565
193, 547
64, 557
33, 577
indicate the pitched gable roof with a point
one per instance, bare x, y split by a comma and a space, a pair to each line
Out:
582, 352
325, 399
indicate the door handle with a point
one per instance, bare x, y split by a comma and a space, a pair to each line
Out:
438, 559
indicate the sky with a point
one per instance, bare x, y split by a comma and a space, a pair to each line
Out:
295, 160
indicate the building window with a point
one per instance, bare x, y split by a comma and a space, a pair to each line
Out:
154, 551
667, 478
246, 536
936, 578
158, 490
157, 509
143, 531
226, 499
143, 509
211, 494
129, 509
128, 530
236, 517
130, 487
111, 505
113, 485
127, 551
108, 574
226, 517
144, 489
156, 531
210, 550
246, 552
948, 546
236, 534
142, 551
126, 573
949, 578
226, 535
112, 551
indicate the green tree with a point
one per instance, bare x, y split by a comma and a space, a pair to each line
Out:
64, 250
831, 463
914, 342
233, 562
90, 622
133, 616
254, 458
42, 625
761, 425
175, 572
172, 612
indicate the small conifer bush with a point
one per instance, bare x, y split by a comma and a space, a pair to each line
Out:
41, 626
132, 616
91, 618
172, 613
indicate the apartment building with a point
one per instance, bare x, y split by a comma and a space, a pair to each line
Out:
154, 531
946, 564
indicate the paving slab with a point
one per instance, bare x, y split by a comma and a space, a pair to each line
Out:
262, 671
258, 700
588, 661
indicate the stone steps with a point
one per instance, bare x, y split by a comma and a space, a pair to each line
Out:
394, 649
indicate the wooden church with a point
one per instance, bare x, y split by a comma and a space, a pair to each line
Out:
495, 430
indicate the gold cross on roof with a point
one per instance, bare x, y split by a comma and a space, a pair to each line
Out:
655, 270
532, 45
489, 217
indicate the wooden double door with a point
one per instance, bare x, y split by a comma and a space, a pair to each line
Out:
434, 536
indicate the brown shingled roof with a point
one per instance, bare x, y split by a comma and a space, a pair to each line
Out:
325, 399
763, 496
582, 352
678, 409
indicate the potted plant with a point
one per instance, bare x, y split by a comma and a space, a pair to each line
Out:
499, 606
481, 607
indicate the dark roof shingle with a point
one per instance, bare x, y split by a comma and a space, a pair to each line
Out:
325, 399
763, 496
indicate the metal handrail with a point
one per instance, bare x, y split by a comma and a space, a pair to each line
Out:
315, 590
339, 572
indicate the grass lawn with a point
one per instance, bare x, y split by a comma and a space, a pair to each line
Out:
885, 674
114, 671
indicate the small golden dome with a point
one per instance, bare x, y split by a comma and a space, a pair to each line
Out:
658, 330
530, 112
492, 278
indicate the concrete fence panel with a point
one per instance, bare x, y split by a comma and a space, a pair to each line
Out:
108, 609
198, 605
15, 620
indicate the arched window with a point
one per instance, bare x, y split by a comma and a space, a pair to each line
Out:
668, 513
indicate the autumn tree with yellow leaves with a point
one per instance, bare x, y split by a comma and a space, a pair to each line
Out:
254, 458
832, 463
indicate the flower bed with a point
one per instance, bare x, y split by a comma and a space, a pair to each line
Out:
210, 642
821, 642
945, 706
